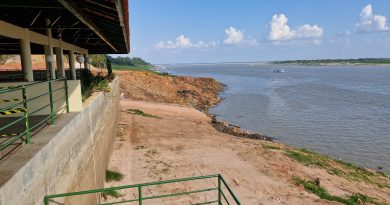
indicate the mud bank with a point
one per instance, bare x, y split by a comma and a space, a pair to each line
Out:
179, 141
200, 93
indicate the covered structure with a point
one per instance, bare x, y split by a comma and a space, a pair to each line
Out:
53, 28
71, 153
62, 27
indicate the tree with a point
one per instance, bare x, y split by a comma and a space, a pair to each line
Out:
128, 61
109, 68
99, 60
4, 58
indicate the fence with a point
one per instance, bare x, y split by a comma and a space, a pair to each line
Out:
22, 105
221, 193
39, 75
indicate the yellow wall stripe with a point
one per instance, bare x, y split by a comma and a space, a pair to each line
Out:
10, 100
10, 112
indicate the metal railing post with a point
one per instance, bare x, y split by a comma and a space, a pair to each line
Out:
46, 200
66, 95
51, 103
140, 195
26, 115
219, 190
222, 185
230, 191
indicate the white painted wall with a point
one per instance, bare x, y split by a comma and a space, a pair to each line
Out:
74, 93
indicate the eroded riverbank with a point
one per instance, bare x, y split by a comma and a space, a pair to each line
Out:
181, 142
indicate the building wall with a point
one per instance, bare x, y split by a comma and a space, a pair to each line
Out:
74, 94
70, 156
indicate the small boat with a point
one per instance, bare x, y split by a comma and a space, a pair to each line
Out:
279, 71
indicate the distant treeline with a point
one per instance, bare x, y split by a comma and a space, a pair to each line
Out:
337, 61
128, 61
102, 60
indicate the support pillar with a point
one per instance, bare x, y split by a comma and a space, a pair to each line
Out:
25, 56
60, 61
71, 65
50, 70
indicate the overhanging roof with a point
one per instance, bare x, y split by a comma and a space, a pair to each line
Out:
100, 26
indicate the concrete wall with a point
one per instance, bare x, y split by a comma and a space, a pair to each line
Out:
74, 93
71, 155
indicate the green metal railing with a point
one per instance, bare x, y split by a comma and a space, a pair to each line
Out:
21, 105
221, 192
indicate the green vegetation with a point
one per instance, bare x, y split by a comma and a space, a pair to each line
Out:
91, 83
354, 199
113, 176
164, 74
308, 159
127, 63
109, 67
335, 61
337, 172
127, 67
141, 113
112, 193
267, 146
338, 167
5, 58
99, 60
103, 85
119, 63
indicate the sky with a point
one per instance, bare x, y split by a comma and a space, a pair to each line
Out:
211, 31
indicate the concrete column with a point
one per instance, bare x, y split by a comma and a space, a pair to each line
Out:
25, 56
71, 65
50, 70
60, 60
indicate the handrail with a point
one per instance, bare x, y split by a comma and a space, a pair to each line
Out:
142, 198
32, 83
21, 105
228, 188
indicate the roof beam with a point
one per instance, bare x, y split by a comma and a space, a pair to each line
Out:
55, 21
112, 18
59, 27
36, 17
75, 10
30, 6
16, 32
119, 8
100, 4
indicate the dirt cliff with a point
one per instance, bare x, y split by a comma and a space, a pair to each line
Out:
200, 93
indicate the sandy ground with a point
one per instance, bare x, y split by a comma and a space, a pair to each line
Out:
182, 143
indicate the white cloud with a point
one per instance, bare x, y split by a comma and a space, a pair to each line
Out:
201, 44
281, 31
233, 36
370, 22
183, 42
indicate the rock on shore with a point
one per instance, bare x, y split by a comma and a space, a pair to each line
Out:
235, 130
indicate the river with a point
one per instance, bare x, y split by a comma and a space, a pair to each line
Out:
339, 111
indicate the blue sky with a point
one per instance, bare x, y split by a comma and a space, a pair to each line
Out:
194, 31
